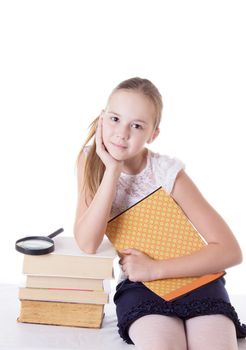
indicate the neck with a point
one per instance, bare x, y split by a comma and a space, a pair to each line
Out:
136, 164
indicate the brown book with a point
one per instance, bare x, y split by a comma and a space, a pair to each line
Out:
34, 281
61, 314
69, 261
157, 226
63, 295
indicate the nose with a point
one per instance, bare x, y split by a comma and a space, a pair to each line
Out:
122, 133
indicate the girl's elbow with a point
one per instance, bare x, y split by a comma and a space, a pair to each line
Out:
236, 257
239, 256
87, 249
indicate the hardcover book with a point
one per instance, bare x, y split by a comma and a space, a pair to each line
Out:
61, 314
64, 295
36, 281
69, 261
157, 226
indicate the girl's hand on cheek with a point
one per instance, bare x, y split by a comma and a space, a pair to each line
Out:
107, 159
138, 266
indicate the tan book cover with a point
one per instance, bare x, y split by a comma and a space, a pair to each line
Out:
157, 226
61, 314
35, 281
63, 295
69, 261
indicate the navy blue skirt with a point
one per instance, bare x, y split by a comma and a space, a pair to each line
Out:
133, 300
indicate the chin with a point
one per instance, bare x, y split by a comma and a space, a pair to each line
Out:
116, 154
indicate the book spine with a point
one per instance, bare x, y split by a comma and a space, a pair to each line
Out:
34, 281
68, 266
91, 297
61, 314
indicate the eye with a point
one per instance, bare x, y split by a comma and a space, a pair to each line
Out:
138, 126
114, 119
135, 125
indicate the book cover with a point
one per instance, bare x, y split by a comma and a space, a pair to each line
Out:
63, 295
35, 281
157, 226
61, 314
69, 261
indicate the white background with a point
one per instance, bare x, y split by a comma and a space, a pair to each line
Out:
60, 60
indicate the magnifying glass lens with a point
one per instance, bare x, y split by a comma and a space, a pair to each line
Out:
34, 244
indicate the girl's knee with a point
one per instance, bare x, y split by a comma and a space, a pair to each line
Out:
211, 331
157, 332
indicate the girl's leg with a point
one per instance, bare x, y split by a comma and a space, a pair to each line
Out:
215, 332
157, 332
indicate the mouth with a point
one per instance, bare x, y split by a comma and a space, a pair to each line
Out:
119, 146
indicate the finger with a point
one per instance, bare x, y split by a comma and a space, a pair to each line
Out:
131, 251
125, 251
98, 129
123, 260
99, 141
124, 269
120, 255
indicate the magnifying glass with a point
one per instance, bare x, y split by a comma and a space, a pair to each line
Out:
37, 245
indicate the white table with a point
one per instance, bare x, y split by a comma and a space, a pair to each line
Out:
14, 335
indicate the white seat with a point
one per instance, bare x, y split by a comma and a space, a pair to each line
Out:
16, 335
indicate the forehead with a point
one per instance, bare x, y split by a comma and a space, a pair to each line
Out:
131, 104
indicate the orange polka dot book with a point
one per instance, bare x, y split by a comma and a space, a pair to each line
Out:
157, 226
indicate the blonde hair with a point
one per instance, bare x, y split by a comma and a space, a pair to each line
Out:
94, 167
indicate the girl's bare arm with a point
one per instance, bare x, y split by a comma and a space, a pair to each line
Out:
91, 221
222, 250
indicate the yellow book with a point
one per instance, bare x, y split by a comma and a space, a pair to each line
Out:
61, 314
157, 226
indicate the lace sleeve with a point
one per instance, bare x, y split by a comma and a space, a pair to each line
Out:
166, 170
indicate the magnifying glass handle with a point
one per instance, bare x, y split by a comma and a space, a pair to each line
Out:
56, 233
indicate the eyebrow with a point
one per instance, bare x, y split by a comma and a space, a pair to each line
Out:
136, 120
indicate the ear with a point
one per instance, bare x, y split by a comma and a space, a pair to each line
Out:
154, 135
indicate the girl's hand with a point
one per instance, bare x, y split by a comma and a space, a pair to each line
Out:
102, 152
137, 266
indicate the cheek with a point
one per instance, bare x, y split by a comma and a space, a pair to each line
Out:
140, 138
105, 131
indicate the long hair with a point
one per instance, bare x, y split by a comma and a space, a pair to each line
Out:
94, 167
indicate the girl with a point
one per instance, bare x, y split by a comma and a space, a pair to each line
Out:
115, 172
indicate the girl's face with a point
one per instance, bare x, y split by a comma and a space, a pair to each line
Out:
128, 123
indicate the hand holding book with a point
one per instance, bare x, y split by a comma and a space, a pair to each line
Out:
138, 266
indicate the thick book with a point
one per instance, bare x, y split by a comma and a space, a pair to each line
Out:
69, 261
63, 295
61, 314
35, 281
157, 226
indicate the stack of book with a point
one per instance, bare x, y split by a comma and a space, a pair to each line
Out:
66, 287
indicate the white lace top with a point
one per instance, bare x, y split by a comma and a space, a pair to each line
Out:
160, 170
